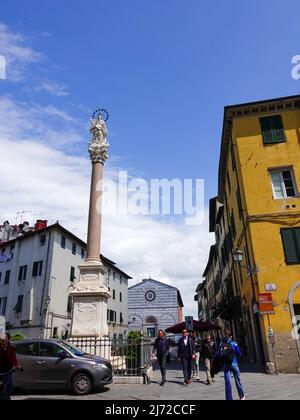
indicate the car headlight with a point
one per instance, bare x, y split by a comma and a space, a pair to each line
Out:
99, 366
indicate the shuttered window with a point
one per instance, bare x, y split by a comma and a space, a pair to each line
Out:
232, 226
239, 202
291, 245
272, 129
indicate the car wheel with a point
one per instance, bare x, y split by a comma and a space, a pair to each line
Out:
82, 384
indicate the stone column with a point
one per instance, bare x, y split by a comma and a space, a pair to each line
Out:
90, 294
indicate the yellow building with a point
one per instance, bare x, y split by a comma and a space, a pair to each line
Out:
259, 185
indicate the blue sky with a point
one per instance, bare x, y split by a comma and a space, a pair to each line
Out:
164, 69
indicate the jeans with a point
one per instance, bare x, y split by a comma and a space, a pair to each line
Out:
162, 361
187, 367
207, 363
237, 377
195, 364
7, 387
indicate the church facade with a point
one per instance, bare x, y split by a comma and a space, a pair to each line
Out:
152, 306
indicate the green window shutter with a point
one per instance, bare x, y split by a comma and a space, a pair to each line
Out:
272, 129
289, 245
297, 241
278, 128
266, 130
239, 202
233, 227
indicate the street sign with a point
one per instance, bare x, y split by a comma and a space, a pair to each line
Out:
189, 323
265, 301
271, 287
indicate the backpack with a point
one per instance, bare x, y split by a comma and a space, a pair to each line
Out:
227, 354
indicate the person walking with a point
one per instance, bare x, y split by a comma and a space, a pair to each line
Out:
208, 351
8, 361
228, 353
195, 362
186, 353
161, 348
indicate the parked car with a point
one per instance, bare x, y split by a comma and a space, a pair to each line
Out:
56, 364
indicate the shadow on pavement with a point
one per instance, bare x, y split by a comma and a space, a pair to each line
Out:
40, 393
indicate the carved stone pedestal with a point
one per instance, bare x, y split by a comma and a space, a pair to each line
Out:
90, 297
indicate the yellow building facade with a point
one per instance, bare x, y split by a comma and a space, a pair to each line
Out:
259, 185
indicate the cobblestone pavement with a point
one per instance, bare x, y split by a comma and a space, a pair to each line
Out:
258, 386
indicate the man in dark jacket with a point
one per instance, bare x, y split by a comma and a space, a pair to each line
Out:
161, 347
208, 352
8, 361
186, 354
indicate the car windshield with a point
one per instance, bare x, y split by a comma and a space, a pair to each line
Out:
72, 349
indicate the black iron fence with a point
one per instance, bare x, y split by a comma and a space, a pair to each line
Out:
130, 357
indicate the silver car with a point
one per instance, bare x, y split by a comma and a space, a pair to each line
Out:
55, 364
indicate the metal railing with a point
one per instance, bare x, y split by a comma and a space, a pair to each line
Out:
128, 357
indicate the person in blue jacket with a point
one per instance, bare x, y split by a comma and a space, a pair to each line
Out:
229, 352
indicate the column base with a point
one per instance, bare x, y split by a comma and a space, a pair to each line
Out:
90, 295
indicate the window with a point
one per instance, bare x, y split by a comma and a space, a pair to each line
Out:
233, 158
73, 248
7, 277
18, 307
121, 297
272, 129
37, 268
232, 225
49, 350
43, 239
291, 245
283, 183
72, 274
112, 316
27, 349
114, 276
114, 294
63, 242
82, 253
120, 279
121, 318
70, 306
3, 303
229, 183
22, 273
239, 202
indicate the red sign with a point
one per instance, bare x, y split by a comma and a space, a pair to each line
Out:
265, 301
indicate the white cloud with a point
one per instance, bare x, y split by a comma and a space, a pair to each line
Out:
22, 121
43, 180
53, 88
13, 46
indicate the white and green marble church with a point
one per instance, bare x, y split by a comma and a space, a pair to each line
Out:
152, 306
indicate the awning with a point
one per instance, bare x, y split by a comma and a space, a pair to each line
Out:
198, 326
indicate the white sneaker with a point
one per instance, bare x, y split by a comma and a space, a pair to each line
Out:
198, 378
243, 398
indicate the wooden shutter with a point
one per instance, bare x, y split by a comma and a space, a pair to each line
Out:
266, 130
278, 129
289, 245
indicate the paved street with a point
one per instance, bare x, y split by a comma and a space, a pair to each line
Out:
258, 386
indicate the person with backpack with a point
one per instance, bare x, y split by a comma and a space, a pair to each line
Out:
208, 351
228, 354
